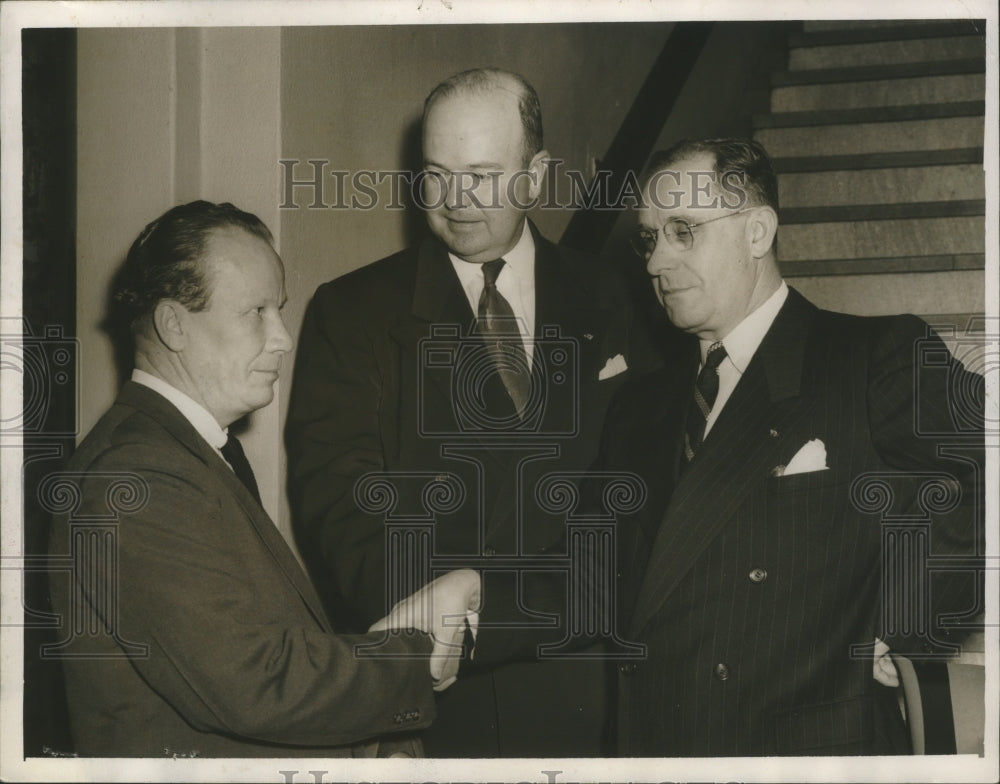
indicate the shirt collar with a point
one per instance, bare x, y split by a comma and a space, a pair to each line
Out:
742, 343
193, 412
520, 261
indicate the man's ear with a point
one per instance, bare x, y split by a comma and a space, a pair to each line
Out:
763, 225
538, 166
169, 323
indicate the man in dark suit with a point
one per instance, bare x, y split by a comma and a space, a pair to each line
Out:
475, 363
797, 461
192, 629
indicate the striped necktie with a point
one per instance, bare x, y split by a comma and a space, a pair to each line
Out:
500, 330
706, 389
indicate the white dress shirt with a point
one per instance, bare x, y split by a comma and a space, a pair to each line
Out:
741, 344
193, 412
516, 282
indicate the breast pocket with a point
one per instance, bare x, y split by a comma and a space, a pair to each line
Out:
804, 482
816, 498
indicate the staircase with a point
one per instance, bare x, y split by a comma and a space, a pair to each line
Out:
876, 131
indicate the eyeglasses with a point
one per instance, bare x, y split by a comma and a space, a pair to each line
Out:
679, 233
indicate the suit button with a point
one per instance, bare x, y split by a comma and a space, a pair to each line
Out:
722, 671
758, 575
627, 669
489, 551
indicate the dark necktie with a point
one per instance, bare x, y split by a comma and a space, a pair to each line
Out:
232, 450
499, 328
706, 389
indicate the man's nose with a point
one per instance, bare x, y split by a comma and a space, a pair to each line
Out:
662, 258
279, 340
459, 187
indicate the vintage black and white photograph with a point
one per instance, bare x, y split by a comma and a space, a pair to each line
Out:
448, 390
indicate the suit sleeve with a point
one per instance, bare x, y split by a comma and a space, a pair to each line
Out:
230, 644
926, 414
333, 438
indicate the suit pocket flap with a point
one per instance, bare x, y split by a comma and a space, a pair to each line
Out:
839, 727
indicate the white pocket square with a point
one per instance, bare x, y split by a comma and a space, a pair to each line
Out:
613, 367
811, 457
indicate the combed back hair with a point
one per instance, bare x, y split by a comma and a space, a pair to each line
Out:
480, 81
166, 260
744, 156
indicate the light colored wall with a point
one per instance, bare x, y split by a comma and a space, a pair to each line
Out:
125, 160
166, 116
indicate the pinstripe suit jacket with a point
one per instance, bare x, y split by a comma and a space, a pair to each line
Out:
749, 590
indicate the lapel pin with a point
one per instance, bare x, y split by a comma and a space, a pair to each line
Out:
773, 433
588, 336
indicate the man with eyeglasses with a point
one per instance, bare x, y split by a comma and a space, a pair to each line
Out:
474, 363
763, 565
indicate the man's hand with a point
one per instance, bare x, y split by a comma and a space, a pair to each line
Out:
442, 608
883, 670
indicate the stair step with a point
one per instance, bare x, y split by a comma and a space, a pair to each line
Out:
864, 239
960, 291
903, 29
879, 92
884, 266
912, 50
881, 212
827, 25
870, 114
880, 186
883, 160
866, 73
863, 138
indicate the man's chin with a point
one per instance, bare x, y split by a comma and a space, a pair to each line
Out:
467, 243
262, 397
681, 318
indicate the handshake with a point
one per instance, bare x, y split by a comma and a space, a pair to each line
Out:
444, 609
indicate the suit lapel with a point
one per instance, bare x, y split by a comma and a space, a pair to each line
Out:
736, 457
441, 311
158, 407
563, 302
438, 297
